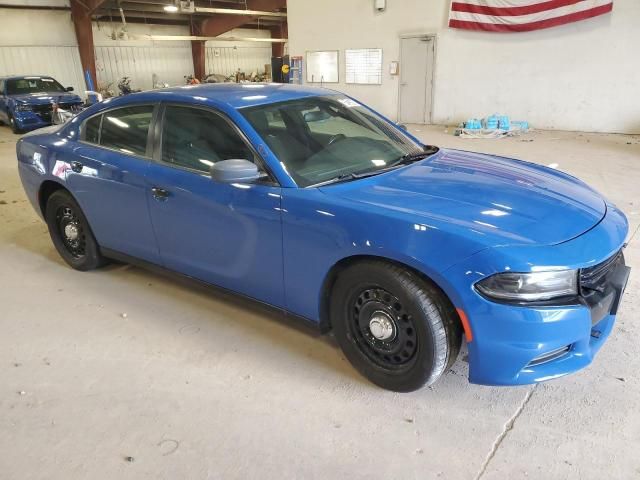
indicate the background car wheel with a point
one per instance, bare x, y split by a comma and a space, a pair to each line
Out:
70, 232
13, 125
399, 330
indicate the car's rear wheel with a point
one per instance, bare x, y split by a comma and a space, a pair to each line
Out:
70, 232
398, 329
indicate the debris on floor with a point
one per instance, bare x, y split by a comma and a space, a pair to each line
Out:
492, 126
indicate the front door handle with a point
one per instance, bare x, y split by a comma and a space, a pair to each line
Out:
76, 167
160, 193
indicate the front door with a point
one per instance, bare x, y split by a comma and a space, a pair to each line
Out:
228, 235
416, 79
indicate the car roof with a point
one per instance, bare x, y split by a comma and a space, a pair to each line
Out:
240, 95
17, 77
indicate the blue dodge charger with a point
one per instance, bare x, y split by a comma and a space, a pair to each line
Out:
305, 199
26, 102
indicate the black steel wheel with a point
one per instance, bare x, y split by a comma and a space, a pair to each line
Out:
13, 124
396, 327
383, 329
70, 232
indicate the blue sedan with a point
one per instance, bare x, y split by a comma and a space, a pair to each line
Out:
26, 102
305, 199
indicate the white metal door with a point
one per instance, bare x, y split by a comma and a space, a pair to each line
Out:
416, 79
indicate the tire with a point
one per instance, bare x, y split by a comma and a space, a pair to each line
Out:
372, 300
13, 125
70, 232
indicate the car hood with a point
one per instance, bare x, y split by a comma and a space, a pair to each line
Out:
46, 98
502, 201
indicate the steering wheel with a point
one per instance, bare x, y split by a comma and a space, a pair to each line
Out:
336, 138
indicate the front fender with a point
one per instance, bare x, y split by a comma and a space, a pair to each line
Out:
321, 230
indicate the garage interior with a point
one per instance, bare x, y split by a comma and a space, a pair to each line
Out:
124, 373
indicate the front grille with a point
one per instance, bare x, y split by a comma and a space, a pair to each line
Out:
595, 278
43, 111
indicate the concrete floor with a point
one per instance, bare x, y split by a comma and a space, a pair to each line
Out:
196, 385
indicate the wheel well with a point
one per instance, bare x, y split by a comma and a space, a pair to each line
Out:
325, 299
46, 189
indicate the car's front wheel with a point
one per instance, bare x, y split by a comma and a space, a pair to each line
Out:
398, 329
13, 124
70, 232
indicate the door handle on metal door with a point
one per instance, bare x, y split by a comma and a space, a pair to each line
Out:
160, 193
76, 167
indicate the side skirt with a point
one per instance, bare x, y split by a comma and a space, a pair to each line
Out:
209, 287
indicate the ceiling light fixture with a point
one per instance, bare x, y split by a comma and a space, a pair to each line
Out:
170, 8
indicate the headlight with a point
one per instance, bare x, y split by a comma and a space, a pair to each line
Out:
23, 107
530, 287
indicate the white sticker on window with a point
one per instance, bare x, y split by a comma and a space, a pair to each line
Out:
347, 102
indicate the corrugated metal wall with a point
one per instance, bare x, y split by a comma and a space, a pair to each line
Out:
227, 60
169, 63
62, 63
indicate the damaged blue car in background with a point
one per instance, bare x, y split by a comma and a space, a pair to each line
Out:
27, 102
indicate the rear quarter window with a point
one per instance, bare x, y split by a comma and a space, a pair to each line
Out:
91, 130
123, 129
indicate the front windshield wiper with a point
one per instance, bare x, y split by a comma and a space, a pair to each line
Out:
427, 151
345, 177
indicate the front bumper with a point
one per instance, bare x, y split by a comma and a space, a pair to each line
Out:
523, 344
27, 120
40, 115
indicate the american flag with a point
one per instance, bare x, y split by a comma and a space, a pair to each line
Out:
522, 15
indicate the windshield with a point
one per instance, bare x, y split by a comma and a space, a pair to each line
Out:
20, 86
323, 138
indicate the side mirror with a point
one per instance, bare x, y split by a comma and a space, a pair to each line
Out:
234, 171
69, 89
402, 126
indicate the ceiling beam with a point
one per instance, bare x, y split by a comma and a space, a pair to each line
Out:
219, 24
200, 38
237, 11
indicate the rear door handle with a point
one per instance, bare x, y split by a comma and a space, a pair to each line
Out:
76, 167
160, 193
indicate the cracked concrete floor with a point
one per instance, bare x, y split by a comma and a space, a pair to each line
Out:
193, 384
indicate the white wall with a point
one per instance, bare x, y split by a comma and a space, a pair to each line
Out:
40, 43
140, 59
225, 57
582, 76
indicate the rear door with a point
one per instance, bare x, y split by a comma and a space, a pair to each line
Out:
107, 176
228, 235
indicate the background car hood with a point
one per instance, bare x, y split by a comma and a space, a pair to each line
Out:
45, 98
505, 201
